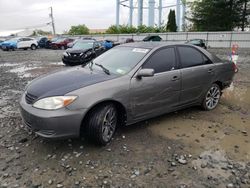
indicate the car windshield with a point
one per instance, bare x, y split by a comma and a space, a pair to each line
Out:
83, 45
120, 60
60, 40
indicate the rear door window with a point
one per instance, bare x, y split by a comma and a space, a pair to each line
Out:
190, 57
162, 60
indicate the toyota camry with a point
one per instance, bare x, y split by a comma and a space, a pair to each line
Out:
125, 85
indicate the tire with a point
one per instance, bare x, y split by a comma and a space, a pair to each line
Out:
62, 48
66, 64
212, 97
101, 123
33, 47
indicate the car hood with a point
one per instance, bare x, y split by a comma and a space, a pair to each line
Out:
9, 43
63, 82
57, 42
77, 50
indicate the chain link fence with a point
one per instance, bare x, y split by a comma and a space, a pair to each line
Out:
213, 39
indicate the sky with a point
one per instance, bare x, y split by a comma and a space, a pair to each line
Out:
95, 14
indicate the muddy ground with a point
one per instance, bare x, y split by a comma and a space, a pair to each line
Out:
188, 148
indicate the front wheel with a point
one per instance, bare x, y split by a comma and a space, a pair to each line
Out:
102, 123
33, 47
212, 97
62, 47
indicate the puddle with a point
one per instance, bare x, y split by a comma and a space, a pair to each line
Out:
226, 128
9, 64
239, 95
22, 71
57, 63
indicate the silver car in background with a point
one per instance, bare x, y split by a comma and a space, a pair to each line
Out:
125, 85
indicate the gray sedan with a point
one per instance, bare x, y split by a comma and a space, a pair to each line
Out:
129, 83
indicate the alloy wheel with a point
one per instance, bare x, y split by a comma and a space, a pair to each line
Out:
212, 97
109, 124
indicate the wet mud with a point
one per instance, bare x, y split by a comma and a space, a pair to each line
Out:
188, 148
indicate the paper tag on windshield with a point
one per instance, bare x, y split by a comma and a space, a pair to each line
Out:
140, 50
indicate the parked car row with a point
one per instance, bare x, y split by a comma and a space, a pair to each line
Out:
19, 43
68, 42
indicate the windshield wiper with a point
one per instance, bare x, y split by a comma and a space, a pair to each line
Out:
103, 68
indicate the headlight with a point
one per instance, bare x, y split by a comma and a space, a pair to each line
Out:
65, 54
53, 103
88, 54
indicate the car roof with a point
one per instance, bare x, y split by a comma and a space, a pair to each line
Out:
152, 45
149, 45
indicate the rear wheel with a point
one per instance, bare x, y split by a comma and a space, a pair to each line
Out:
33, 47
62, 48
102, 123
212, 97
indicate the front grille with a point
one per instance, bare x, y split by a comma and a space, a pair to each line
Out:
74, 54
30, 98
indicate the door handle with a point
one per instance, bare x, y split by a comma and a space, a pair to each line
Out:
210, 71
175, 78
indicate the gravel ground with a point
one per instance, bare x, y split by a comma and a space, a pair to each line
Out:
188, 148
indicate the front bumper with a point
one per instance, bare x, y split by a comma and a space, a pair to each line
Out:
61, 123
74, 60
7, 47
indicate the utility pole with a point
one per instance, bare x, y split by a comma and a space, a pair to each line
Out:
52, 20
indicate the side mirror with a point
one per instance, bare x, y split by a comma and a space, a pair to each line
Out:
145, 73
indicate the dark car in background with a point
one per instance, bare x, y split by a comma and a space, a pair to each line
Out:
125, 85
43, 42
71, 44
61, 43
82, 52
197, 42
49, 41
152, 38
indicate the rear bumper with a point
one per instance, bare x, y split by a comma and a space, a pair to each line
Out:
61, 123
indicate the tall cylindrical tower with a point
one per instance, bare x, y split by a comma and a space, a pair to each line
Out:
117, 12
160, 13
151, 12
178, 12
130, 13
140, 13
